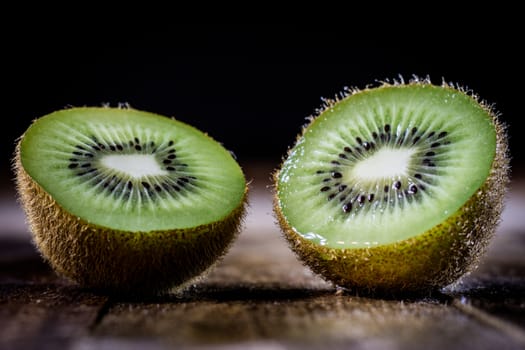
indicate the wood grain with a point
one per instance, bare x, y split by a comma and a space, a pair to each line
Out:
261, 297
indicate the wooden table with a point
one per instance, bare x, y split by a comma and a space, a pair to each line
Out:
261, 297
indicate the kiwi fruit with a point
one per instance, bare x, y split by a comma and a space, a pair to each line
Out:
396, 188
125, 200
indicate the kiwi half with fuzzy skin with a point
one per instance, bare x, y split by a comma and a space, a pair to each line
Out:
126, 200
396, 188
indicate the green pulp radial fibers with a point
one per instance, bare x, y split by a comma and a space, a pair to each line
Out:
384, 165
131, 170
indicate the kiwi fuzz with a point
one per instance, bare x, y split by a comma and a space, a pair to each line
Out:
419, 264
119, 261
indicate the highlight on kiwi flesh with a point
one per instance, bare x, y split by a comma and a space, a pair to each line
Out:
126, 200
396, 188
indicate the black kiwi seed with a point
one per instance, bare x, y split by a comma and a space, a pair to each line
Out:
347, 207
397, 185
336, 175
325, 188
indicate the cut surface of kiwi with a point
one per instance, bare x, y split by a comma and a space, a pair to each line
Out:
397, 187
125, 199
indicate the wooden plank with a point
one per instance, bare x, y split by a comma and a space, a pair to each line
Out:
304, 321
46, 316
261, 297
38, 309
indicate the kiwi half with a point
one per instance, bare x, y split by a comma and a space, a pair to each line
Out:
126, 200
394, 188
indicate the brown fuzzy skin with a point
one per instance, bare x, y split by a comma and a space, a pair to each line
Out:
419, 264
120, 261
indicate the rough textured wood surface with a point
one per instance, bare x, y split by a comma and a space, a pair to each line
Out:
261, 297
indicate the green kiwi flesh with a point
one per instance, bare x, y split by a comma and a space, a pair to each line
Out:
396, 188
127, 200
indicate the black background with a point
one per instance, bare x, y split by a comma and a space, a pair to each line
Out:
249, 86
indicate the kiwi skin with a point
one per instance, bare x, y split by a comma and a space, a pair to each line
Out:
121, 262
422, 264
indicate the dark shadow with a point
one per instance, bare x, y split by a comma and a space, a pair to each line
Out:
218, 293
267, 293
430, 295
